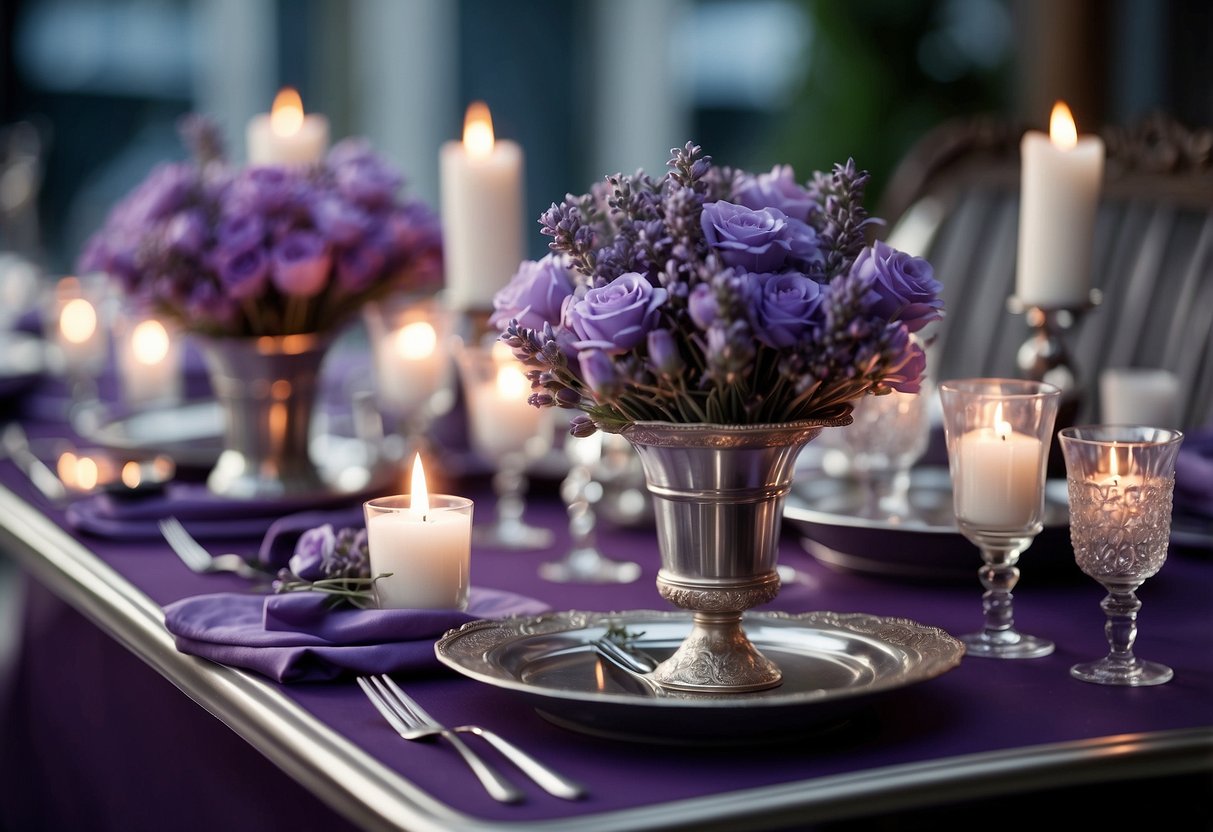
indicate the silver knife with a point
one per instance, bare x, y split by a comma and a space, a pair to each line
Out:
16, 444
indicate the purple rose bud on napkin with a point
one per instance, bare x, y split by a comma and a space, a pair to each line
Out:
599, 373
535, 294
701, 305
777, 189
784, 308
757, 241
301, 264
905, 286
616, 317
245, 274
313, 552
664, 358
185, 232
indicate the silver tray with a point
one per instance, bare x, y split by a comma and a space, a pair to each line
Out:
833, 664
924, 544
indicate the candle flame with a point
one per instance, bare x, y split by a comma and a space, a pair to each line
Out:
286, 116
478, 130
149, 342
1113, 465
66, 468
77, 321
1062, 130
132, 474
1002, 429
416, 341
511, 383
420, 504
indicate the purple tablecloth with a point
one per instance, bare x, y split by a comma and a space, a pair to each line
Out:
983, 705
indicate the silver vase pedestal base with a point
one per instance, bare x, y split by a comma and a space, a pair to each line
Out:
717, 656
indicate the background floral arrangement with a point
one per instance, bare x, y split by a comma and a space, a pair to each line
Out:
718, 296
266, 250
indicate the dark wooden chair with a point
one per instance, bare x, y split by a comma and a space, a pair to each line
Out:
955, 200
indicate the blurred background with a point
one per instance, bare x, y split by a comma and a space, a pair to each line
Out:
90, 90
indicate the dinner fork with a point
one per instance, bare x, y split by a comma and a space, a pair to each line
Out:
194, 555
412, 722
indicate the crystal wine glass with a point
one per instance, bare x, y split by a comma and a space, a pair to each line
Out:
998, 434
585, 562
1121, 480
510, 433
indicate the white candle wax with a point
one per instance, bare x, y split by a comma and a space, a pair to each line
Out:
502, 420
295, 139
1058, 200
149, 364
410, 368
79, 335
999, 486
428, 555
482, 207
1139, 397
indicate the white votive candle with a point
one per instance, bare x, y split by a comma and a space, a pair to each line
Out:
999, 484
1138, 396
502, 420
482, 208
410, 368
425, 542
285, 135
1061, 177
149, 363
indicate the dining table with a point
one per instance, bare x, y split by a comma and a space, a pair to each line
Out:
107, 724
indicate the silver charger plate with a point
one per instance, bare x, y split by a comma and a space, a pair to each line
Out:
925, 543
833, 664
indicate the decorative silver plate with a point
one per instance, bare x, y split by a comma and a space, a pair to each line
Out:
924, 543
833, 664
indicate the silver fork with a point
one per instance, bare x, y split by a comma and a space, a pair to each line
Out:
412, 722
194, 555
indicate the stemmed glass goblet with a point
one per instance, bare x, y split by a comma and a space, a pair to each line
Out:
510, 433
585, 562
1121, 480
998, 434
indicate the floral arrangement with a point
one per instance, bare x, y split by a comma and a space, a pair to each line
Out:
334, 562
266, 250
714, 295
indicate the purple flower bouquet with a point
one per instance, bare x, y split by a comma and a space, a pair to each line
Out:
716, 296
266, 250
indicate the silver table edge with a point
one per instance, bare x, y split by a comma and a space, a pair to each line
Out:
374, 797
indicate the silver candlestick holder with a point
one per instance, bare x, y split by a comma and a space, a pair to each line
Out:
1044, 356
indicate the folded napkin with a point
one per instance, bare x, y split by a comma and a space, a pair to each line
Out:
1194, 475
295, 637
204, 515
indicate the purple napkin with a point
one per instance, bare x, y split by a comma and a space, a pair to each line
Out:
296, 638
1194, 475
204, 515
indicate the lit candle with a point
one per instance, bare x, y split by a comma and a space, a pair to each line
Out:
149, 363
78, 332
285, 136
409, 367
425, 542
502, 420
482, 206
1001, 486
1061, 175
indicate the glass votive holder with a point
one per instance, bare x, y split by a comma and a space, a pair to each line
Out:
1121, 480
148, 357
76, 328
426, 548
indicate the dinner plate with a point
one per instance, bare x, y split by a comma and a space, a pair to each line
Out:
925, 543
833, 664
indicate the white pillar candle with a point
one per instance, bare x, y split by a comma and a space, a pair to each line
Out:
1136, 396
285, 136
999, 486
149, 363
1061, 176
482, 206
425, 543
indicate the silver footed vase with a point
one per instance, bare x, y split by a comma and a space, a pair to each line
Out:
718, 493
267, 389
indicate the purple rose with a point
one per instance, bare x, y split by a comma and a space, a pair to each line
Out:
238, 233
784, 308
804, 250
185, 233
909, 362
165, 191
905, 287
359, 267
343, 223
367, 181
264, 189
757, 241
535, 294
245, 274
599, 373
701, 306
313, 552
777, 189
664, 358
301, 264
616, 317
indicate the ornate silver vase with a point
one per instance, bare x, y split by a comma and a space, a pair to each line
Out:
718, 493
267, 387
